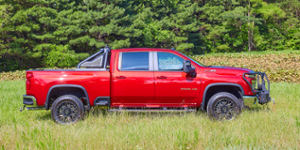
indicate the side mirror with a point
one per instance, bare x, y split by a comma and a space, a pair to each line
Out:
187, 67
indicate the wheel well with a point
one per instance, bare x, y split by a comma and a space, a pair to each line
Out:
236, 91
59, 91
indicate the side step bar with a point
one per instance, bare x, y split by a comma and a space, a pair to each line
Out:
35, 108
31, 108
152, 110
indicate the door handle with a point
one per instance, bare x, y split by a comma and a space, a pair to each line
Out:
161, 77
120, 77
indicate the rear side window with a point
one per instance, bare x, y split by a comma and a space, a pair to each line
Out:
169, 62
135, 61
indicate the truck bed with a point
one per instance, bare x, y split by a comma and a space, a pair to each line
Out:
95, 82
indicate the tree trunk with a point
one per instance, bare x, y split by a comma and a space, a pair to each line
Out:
249, 38
252, 44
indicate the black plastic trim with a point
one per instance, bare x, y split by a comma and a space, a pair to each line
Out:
103, 97
27, 101
66, 85
219, 84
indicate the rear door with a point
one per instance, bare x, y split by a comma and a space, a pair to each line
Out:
133, 81
173, 87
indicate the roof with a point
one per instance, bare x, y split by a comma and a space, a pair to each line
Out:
143, 49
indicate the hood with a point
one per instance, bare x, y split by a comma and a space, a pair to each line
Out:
230, 68
222, 70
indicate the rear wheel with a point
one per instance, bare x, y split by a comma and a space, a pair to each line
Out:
67, 109
223, 106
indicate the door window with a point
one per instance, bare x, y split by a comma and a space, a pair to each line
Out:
135, 61
169, 61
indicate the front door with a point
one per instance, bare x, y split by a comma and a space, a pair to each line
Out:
173, 87
133, 82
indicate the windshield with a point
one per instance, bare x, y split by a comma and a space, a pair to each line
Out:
193, 60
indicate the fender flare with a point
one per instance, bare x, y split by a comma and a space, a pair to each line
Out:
66, 85
219, 84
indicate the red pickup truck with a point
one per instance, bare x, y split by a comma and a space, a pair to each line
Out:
144, 79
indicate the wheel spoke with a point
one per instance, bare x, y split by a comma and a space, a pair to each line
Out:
67, 112
224, 109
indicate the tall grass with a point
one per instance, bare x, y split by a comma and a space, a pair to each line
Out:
257, 128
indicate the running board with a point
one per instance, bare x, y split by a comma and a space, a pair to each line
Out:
152, 110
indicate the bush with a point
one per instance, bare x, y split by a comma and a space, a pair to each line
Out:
60, 56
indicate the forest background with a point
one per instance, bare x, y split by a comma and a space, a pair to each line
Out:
60, 33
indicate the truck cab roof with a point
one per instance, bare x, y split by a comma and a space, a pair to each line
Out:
144, 49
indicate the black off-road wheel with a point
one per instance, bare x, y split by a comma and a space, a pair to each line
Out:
67, 109
223, 106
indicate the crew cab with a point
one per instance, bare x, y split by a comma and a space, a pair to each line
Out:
143, 79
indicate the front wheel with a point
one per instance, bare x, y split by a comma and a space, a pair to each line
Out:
67, 109
223, 106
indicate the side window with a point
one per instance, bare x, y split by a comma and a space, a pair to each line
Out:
169, 61
135, 61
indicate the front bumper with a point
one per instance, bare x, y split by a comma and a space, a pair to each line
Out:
249, 100
30, 103
261, 91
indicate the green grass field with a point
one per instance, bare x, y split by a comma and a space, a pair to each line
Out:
262, 127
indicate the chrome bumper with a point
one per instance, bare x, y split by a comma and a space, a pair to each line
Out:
249, 100
29, 100
30, 103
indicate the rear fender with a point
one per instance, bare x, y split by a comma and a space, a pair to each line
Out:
47, 103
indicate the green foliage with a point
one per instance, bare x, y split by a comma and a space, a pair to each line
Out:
29, 28
6, 64
61, 56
